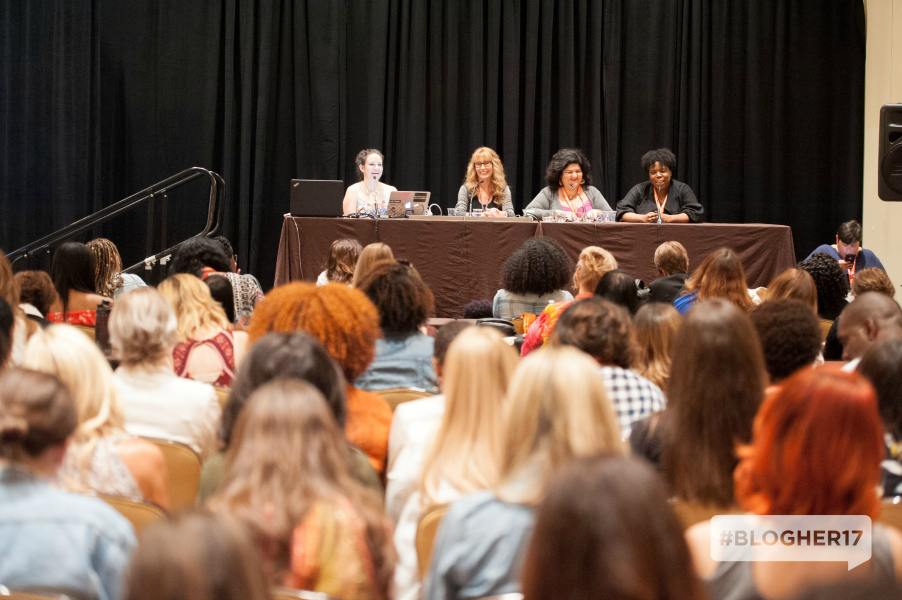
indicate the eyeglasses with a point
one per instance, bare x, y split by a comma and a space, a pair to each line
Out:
480, 165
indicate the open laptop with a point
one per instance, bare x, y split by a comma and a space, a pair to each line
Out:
411, 203
316, 197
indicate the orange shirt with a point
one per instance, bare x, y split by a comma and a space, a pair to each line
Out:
367, 424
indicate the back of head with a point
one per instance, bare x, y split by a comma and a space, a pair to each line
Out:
443, 338
557, 409
794, 284
721, 276
226, 245
655, 325
831, 284
36, 288
790, 336
540, 266
620, 288
9, 287
198, 252
716, 385
196, 555
343, 319
107, 266
143, 327
606, 530
849, 232
593, 263
671, 258
343, 257
222, 292
478, 309
872, 279
874, 306
404, 302
72, 270
882, 366
194, 307
599, 328
36, 414
369, 256
817, 449
7, 322
285, 356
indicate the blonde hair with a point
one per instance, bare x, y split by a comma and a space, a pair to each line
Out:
194, 307
499, 183
655, 326
593, 263
557, 409
467, 449
142, 327
371, 254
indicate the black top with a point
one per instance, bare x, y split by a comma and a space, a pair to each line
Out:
680, 199
667, 289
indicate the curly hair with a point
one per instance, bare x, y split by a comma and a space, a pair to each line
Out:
831, 283
485, 154
107, 266
561, 160
342, 318
198, 252
539, 266
404, 302
661, 155
872, 279
360, 160
601, 329
36, 288
790, 335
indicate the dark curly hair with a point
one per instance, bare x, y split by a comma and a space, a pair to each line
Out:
661, 155
790, 336
539, 266
404, 302
198, 252
36, 288
831, 283
600, 328
620, 288
561, 160
478, 309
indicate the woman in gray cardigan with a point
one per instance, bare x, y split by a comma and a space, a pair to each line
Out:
568, 188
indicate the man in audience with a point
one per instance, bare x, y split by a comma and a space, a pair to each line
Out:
790, 337
871, 319
672, 262
848, 245
871, 279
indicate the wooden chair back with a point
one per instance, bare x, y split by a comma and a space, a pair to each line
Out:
427, 529
140, 513
183, 464
396, 396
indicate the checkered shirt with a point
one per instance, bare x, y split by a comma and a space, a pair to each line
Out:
632, 396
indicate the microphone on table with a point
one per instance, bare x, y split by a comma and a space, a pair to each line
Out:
475, 187
657, 207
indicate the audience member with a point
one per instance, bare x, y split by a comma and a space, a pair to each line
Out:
345, 321
72, 272
51, 539
109, 280
871, 319
403, 353
341, 263
719, 276
534, 276
286, 356
226, 245
158, 403
672, 262
790, 337
867, 280
848, 244
832, 287
619, 287
603, 330
593, 263
555, 411
656, 325
36, 294
882, 366
373, 253
478, 309
208, 349
286, 478
465, 454
24, 328
606, 530
195, 555
100, 456
717, 381
816, 451
221, 291
794, 284
7, 323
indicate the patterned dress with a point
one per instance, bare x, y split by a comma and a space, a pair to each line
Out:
223, 342
102, 471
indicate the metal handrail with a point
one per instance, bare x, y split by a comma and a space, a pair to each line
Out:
217, 198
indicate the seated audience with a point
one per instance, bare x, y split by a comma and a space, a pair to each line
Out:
221, 291
24, 327
790, 337
100, 456
882, 366
656, 325
848, 244
208, 349
36, 295
605, 529
157, 403
464, 455
816, 451
867, 280
285, 356
873, 318
371, 255
109, 280
593, 263
339, 268
534, 276
226, 245
478, 309
72, 272
7, 323
604, 331
555, 411
344, 321
403, 353
672, 262
620, 288
51, 539
286, 478
717, 382
719, 276
195, 555
832, 287
793, 284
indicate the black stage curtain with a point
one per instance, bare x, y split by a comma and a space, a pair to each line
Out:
761, 101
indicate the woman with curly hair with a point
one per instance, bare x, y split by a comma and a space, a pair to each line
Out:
719, 276
534, 276
672, 199
109, 280
568, 178
832, 286
485, 186
345, 321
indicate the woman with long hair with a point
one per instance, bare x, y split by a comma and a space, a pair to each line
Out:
72, 272
208, 349
793, 284
656, 325
371, 255
719, 276
368, 195
339, 268
23, 327
109, 280
485, 187
286, 477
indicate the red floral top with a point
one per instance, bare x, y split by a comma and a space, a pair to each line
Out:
222, 342
87, 318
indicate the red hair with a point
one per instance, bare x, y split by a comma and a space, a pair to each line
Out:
816, 449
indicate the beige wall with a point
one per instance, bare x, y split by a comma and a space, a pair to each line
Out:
882, 221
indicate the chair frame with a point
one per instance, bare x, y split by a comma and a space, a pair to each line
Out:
178, 498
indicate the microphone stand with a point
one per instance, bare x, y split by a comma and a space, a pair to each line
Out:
470, 207
376, 206
658, 208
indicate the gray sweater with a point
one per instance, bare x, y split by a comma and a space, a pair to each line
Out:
463, 202
546, 201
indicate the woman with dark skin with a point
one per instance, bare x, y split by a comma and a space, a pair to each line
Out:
674, 199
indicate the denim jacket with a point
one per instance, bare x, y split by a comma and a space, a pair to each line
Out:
401, 362
52, 539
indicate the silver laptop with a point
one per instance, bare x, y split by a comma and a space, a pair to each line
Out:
409, 203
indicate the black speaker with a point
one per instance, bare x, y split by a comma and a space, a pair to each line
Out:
889, 177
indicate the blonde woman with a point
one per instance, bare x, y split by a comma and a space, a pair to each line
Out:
371, 254
656, 325
557, 409
467, 449
208, 349
485, 187
101, 456
593, 263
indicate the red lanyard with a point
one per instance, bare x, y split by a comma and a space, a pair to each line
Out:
852, 270
579, 190
660, 205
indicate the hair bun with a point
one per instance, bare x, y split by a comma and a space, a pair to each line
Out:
12, 428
